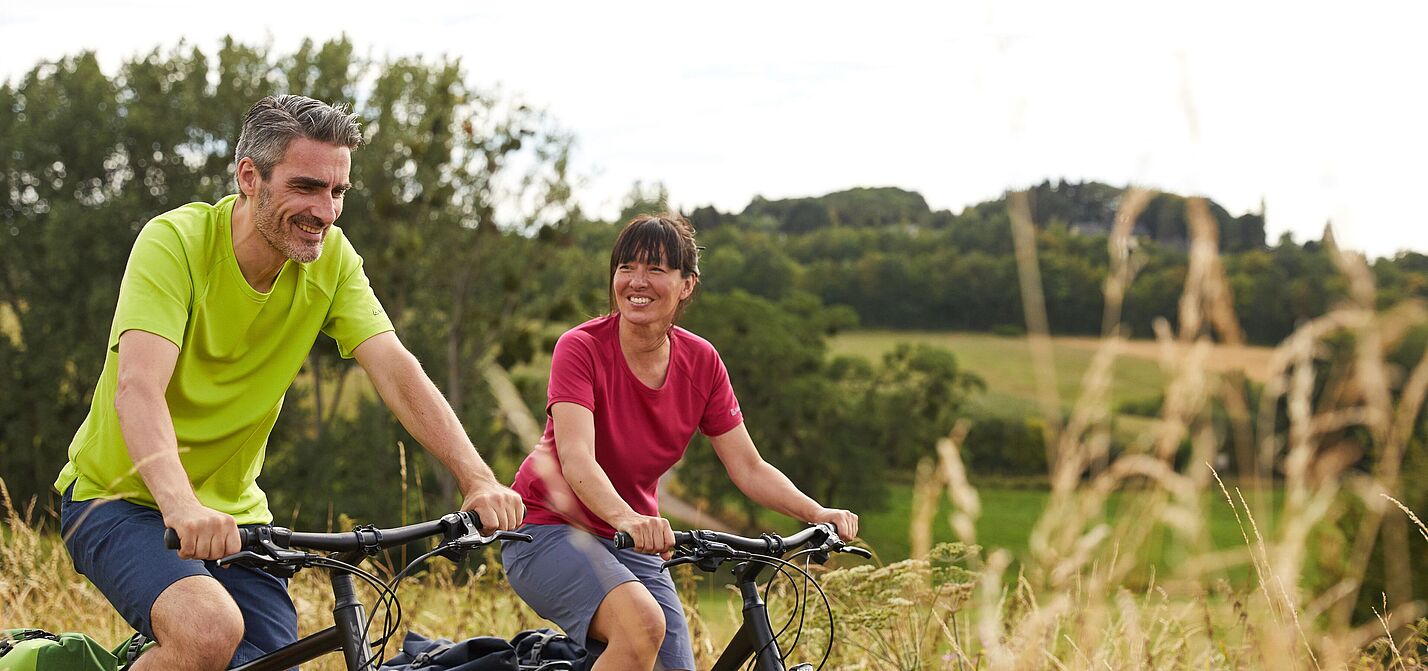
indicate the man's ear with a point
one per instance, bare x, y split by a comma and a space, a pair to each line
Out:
248, 177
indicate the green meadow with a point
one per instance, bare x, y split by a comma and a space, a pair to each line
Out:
1006, 365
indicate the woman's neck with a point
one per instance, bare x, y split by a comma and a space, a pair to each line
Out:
642, 341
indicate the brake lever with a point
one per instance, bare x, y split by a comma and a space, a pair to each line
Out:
677, 561
281, 563
244, 557
855, 550
456, 549
834, 544
514, 536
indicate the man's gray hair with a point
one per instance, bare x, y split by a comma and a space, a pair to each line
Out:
275, 121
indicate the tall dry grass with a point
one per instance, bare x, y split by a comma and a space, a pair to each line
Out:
1088, 596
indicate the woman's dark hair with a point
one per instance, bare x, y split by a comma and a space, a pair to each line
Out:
666, 239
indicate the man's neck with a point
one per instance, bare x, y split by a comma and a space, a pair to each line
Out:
257, 259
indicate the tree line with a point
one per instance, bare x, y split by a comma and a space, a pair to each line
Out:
901, 265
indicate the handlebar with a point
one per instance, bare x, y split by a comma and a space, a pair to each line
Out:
366, 539
693, 546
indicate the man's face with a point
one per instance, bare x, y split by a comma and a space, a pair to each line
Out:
302, 198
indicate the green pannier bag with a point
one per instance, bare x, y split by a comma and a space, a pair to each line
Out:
39, 650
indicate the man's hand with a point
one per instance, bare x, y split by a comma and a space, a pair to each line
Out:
204, 533
497, 505
846, 522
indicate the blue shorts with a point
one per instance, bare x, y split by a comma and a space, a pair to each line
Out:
565, 573
119, 546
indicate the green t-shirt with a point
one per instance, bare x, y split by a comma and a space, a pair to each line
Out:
239, 351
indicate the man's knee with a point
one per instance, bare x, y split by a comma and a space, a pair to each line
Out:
197, 617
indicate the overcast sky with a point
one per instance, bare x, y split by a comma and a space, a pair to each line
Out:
1316, 112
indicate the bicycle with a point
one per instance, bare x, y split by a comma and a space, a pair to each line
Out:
709, 550
270, 548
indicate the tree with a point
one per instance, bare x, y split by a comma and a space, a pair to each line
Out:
840, 426
463, 198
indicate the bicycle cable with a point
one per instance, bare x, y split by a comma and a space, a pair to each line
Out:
391, 588
387, 602
768, 586
406, 571
782, 567
796, 611
828, 607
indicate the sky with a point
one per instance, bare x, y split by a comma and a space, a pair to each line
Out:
1314, 112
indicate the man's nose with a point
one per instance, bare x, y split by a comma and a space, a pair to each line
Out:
326, 209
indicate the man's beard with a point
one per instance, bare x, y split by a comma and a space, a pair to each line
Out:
277, 234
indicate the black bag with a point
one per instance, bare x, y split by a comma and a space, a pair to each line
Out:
546, 650
534, 650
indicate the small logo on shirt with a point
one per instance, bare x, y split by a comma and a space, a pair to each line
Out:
734, 411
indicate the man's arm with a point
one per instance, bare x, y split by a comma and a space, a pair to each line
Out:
146, 363
769, 487
425, 414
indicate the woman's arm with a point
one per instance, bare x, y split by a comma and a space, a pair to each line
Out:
575, 445
769, 487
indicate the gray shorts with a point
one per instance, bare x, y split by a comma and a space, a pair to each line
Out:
565, 573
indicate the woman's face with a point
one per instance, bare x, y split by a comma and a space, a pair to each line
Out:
649, 293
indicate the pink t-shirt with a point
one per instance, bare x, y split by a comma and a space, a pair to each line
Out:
639, 432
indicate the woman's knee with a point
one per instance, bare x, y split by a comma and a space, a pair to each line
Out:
630, 615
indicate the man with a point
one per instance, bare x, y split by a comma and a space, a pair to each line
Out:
218, 308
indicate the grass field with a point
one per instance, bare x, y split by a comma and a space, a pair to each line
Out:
1006, 365
1008, 515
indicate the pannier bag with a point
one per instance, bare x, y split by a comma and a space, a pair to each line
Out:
534, 650
39, 650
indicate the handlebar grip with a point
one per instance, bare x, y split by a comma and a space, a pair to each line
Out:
623, 541
171, 538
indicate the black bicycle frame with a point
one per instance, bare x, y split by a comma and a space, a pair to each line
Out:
755, 635
348, 634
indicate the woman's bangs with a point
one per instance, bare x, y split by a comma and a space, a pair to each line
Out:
648, 242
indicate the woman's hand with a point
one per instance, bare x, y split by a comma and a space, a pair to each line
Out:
845, 521
652, 535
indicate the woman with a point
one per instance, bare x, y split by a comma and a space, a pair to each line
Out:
627, 391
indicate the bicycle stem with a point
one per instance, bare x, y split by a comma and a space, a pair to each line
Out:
349, 615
